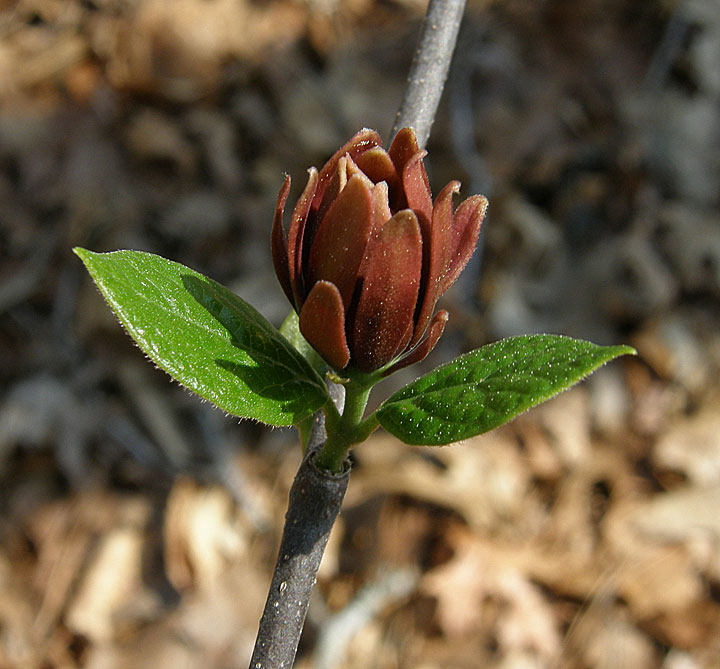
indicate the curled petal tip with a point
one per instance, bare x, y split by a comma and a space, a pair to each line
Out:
453, 187
283, 193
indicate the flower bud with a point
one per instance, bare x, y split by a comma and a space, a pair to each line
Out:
368, 254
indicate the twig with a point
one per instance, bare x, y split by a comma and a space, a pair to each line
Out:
316, 495
315, 499
430, 67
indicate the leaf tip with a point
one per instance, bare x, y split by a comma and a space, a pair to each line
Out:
623, 349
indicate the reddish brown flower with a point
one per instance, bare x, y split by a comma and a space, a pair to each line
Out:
368, 254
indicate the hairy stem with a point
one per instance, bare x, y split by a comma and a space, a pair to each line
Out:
429, 68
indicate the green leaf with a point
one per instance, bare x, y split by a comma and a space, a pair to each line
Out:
207, 338
485, 388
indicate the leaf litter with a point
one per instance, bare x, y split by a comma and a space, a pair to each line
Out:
584, 534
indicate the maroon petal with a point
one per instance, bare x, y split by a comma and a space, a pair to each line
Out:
378, 165
346, 168
353, 170
322, 323
403, 147
338, 181
435, 259
402, 151
403, 345
437, 326
381, 206
416, 185
341, 239
391, 278
296, 235
278, 242
361, 141
465, 232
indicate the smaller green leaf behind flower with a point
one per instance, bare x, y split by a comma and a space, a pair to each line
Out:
207, 338
488, 387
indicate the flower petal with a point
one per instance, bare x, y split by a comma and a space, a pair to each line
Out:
403, 147
437, 326
278, 242
337, 182
346, 169
341, 239
416, 185
296, 235
435, 258
403, 344
381, 206
378, 166
465, 232
391, 276
354, 170
322, 323
361, 141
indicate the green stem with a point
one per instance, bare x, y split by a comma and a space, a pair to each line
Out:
343, 431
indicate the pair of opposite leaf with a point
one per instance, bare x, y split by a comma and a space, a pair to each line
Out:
367, 256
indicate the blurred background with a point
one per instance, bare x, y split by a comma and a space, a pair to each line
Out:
138, 526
